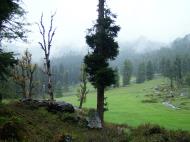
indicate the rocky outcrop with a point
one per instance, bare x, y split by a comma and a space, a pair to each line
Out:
51, 106
94, 121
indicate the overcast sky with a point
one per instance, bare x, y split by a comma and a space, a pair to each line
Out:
158, 20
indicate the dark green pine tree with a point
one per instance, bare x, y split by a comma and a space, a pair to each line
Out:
163, 67
6, 60
169, 72
141, 73
149, 71
127, 72
10, 28
178, 70
104, 48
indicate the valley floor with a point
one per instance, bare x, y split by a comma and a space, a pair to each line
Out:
143, 103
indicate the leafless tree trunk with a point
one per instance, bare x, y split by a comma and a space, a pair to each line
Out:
46, 47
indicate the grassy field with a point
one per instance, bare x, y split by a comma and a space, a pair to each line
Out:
126, 107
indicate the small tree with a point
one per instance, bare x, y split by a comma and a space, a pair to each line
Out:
127, 72
46, 47
19, 76
82, 91
23, 74
141, 73
149, 71
30, 69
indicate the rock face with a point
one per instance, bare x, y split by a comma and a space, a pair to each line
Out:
94, 121
52, 107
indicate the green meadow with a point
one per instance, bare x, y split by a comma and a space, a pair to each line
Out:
127, 105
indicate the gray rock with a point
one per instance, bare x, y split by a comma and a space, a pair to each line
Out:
182, 94
168, 104
94, 121
51, 106
61, 107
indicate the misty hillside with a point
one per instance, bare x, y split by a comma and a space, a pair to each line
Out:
94, 71
138, 51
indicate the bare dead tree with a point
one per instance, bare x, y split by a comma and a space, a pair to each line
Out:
46, 47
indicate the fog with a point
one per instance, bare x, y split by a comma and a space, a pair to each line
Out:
155, 21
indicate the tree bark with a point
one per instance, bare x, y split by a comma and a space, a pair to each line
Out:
101, 9
100, 28
100, 89
50, 91
81, 102
1, 98
46, 46
100, 103
31, 86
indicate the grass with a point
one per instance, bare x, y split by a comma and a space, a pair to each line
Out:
126, 106
30, 124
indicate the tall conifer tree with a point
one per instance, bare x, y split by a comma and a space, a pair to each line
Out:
104, 48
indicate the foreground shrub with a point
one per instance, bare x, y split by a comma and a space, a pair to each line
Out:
155, 133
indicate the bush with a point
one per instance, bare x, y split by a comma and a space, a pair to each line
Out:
150, 101
155, 133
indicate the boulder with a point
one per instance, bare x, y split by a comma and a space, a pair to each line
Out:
61, 107
51, 106
94, 121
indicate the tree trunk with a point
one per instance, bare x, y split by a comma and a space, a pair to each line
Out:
100, 89
1, 98
50, 91
101, 9
100, 28
100, 103
30, 87
81, 102
24, 90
